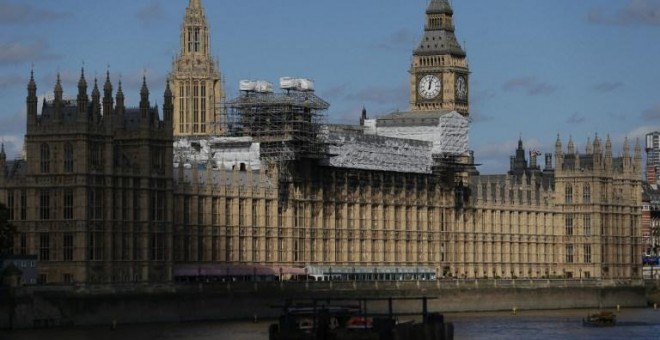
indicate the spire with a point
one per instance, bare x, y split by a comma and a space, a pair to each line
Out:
120, 97
439, 37
96, 101
31, 101
58, 88
194, 32
590, 148
195, 4
107, 87
3, 155
168, 105
32, 86
144, 99
82, 83
571, 146
558, 145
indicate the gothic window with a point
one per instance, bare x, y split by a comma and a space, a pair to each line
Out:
23, 205
586, 193
182, 106
569, 253
10, 204
44, 205
195, 105
569, 224
202, 107
44, 246
569, 194
68, 204
196, 40
157, 246
68, 158
45, 158
95, 244
587, 225
67, 247
587, 253
95, 155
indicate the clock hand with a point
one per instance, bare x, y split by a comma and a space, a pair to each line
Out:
429, 86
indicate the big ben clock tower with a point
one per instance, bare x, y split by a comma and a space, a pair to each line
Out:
439, 71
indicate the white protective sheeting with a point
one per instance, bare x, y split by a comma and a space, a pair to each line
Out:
357, 151
299, 84
221, 152
449, 135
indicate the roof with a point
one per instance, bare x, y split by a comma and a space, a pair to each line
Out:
438, 42
439, 7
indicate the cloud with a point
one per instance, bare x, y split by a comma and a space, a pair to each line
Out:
606, 87
529, 85
151, 14
11, 80
635, 12
575, 119
21, 52
15, 13
335, 92
402, 38
652, 113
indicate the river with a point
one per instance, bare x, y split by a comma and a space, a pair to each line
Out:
563, 324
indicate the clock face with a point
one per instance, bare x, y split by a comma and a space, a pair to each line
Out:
461, 88
429, 86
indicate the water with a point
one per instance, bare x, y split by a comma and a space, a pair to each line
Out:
566, 324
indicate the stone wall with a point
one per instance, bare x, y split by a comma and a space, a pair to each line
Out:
249, 300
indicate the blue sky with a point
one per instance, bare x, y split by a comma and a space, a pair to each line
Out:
539, 68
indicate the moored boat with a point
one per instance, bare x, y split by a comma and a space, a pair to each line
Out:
600, 319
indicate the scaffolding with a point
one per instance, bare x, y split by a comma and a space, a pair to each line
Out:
286, 125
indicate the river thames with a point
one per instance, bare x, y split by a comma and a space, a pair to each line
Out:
563, 324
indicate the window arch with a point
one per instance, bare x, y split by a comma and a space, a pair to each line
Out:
586, 193
45, 158
569, 194
68, 158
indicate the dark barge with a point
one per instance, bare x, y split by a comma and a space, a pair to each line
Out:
351, 319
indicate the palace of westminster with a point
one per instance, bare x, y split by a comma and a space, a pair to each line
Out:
261, 185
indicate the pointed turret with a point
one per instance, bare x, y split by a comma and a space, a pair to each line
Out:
119, 108
608, 153
637, 163
363, 117
571, 146
3, 164
589, 149
31, 101
559, 155
57, 103
627, 161
144, 99
107, 99
96, 103
168, 105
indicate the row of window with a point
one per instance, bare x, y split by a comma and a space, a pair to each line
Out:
586, 193
45, 159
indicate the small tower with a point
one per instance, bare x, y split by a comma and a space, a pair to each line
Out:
57, 103
168, 104
31, 101
3, 165
82, 93
559, 155
144, 99
608, 154
120, 108
95, 113
107, 100
363, 117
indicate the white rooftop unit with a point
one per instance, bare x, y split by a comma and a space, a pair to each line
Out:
247, 85
298, 84
263, 86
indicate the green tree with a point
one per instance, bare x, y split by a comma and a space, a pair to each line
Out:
7, 232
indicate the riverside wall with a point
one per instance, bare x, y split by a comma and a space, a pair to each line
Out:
87, 306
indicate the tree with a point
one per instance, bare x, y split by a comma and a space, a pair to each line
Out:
7, 232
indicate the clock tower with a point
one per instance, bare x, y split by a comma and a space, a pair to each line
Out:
439, 71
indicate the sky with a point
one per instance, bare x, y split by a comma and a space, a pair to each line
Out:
539, 68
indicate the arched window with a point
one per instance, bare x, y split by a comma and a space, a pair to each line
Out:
569, 194
68, 158
586, 193
45, 158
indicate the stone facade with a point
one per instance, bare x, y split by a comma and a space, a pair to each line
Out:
98, 197
195, 79
93, 196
